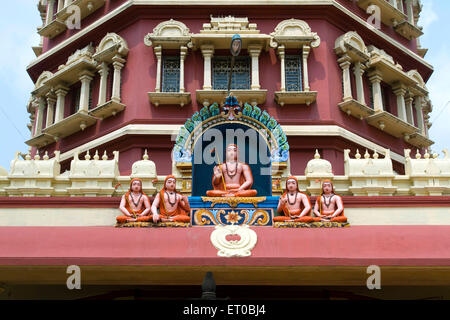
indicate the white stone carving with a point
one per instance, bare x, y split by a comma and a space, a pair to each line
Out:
32, 177
353, 45
113, 42
294, 30
234, 248
93, 177
430, 176
169, 34
317, 169
145, 169
369, 176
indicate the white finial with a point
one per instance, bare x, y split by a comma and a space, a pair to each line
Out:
317, 155
105, 156
28, 156
96, 157
87, 156
435, 155
46, 157
37, 156
366, 155
357, 155
418, 155
375, 154
426, 155
145, 157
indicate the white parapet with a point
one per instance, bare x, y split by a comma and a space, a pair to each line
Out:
93, 178
429, 176
4, 182
32, 177
369, 176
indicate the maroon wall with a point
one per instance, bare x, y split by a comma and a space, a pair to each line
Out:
139, 78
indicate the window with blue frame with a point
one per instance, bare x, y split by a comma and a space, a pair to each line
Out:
293, 73
170, 74
241, 73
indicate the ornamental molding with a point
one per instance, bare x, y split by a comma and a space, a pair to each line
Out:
234, 248
113, 43
353, 45
169, 34
291, 31
213, 115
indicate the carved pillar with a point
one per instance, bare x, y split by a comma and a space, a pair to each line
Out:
305, 54
400, 91
283, 68
118, 64
345, 63
254, 51
410, 11
419, 113
39, 116
207, 52
103, 71
60, 5
183, 53
359, 71
50, 12
51, 101
409, 109
158, 53
85, 78
375, 78
61, 93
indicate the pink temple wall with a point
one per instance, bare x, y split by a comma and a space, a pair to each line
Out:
139, 77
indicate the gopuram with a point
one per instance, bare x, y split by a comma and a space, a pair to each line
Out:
277, 144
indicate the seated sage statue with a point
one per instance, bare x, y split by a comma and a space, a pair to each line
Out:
173, 207
329, 206
232, 178
135, 204
294, 205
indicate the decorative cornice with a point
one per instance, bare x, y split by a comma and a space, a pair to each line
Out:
131, 3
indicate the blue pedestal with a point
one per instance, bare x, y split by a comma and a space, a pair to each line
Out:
252, 211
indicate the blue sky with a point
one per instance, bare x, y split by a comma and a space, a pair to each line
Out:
18, 35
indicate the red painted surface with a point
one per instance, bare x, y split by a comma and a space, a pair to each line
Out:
353, 246
139, 77
113, 202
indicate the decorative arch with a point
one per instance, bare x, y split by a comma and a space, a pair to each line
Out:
113, 40
42, 79
416, 76
295, 30
172, 30
351, 42
211, 116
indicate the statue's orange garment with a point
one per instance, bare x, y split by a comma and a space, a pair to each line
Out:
289, 212
180, 214
123, 218
339, 218
219, 189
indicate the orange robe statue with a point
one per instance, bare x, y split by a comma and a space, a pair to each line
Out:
294, 205
135, 204
173, 207
232, 178
329, 206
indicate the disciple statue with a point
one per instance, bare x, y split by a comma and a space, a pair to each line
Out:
329, 206
135, 204
294, 204
173, 207
232, 178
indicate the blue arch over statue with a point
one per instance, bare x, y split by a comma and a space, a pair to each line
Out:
253, 150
